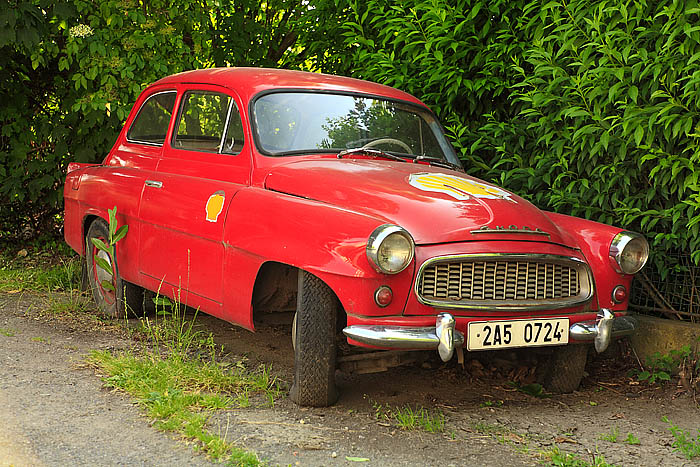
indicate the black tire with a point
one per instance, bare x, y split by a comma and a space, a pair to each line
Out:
314, 344
563, 370
126, 299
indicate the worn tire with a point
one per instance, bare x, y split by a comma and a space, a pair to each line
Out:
315, 347
127, 298
563, 370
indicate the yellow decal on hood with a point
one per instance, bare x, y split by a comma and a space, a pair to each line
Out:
457, 187
215, 204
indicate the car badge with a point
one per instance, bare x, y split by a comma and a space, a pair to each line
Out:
511, 229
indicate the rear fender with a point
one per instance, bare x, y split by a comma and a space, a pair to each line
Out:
102, 188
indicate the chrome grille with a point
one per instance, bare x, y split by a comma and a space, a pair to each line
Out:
526, 281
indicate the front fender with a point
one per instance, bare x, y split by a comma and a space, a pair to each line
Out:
594, 238
325, 240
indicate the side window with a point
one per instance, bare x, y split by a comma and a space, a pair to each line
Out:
209, 122
151, 124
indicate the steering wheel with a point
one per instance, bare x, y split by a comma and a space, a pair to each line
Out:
395, 141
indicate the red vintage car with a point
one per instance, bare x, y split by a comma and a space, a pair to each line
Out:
251, 190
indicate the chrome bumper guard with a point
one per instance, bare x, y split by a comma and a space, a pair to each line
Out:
443, 337
603, 329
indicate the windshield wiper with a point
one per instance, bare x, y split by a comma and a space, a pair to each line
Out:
370, 152
438, 162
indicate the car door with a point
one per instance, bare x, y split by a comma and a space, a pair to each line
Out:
183, 208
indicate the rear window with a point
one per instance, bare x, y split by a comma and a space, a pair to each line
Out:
151, 124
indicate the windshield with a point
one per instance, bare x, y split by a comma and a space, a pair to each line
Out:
303, 122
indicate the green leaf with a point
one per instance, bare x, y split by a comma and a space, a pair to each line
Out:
108, 286
112, 223
101, 245
356, 459
103, 264
633, 92
638, 135
120, 233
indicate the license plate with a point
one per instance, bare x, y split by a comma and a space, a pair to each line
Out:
484, 335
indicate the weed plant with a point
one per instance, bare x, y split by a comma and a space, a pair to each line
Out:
559, 458
685, 362
684, 441
612, 436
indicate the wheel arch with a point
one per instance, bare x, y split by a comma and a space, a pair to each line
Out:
276, 289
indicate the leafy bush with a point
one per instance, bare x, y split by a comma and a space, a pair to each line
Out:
591, 107
70, 72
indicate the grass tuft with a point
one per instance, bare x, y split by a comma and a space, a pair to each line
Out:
409, 418
179, 393
18, 276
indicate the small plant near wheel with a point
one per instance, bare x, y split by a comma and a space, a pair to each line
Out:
107, 248
113, 295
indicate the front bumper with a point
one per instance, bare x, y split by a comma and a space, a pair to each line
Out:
445, 338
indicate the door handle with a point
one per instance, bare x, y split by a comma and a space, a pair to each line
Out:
154, 184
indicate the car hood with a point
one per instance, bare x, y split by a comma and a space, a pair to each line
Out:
433, 204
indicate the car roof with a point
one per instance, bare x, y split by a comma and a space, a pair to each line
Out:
250, 81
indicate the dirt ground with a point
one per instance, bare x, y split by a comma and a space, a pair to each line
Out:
54, 410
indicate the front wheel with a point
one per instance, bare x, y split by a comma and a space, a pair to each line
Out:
314, 343
563, 371
114, 296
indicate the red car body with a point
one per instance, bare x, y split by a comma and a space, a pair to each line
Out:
205, 227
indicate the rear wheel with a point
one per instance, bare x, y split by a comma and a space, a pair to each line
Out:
314, 343
563, 371
114, 296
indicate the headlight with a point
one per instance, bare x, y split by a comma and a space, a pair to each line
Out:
630, 252
390, 249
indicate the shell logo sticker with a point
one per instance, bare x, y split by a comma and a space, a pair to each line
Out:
215, 204
457, 187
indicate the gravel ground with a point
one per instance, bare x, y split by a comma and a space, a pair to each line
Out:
54, 410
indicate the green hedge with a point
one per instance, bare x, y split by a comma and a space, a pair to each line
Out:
591, 107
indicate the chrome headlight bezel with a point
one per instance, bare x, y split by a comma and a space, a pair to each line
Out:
625, 240
378, 237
